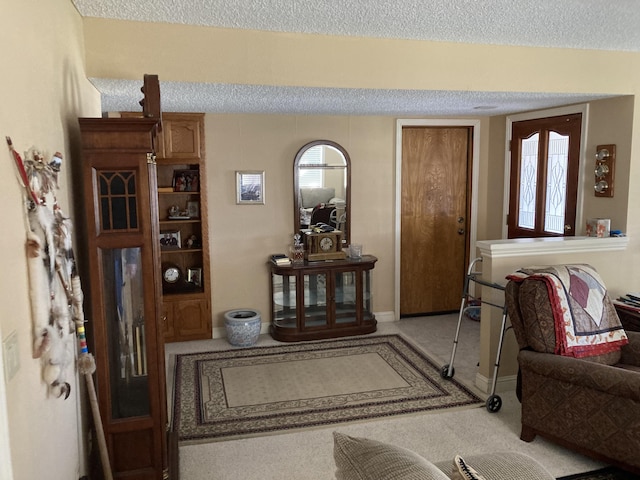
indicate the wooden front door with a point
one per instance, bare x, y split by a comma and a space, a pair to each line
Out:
436, 179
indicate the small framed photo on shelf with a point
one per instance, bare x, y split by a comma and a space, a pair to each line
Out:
170, 239
250, 187
194, 275
193, 209
186, 181
192, 242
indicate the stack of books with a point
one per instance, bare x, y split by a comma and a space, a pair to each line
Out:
280, 259
630, 301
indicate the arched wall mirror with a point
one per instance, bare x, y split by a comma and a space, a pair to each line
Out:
321, 187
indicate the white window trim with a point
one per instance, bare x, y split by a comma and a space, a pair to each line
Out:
553, 112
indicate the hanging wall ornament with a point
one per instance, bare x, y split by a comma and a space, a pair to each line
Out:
52, 270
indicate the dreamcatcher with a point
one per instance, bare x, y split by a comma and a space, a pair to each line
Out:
56, 295
55, 289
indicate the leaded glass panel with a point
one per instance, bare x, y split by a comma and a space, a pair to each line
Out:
556, 197
528, 182
118, 201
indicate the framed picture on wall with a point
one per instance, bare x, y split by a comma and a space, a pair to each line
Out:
250, 187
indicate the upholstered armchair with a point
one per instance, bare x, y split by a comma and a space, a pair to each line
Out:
589, 404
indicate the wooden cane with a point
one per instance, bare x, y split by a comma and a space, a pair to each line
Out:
86, 366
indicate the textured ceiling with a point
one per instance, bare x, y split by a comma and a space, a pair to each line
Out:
123, 95
581, 24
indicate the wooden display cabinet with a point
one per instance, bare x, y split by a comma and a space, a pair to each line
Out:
183, 221
184, 240
322, 299
119, 176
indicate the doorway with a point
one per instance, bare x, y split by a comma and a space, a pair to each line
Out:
436, 185
543, 185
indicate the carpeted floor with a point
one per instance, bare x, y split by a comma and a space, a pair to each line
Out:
436, 435
608, 473
262, 390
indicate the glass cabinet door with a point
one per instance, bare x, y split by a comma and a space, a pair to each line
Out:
367, 302
315, 300
346, 301
284, 300
123, 290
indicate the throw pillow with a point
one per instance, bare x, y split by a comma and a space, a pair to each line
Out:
364, 459
462, 471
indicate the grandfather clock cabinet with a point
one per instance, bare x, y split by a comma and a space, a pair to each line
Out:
119, 176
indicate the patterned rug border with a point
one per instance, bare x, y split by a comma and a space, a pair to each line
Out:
197, 431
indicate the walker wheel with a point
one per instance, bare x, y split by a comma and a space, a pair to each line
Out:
444, 373
494, 403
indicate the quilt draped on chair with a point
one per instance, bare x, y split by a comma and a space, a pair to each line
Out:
584, 316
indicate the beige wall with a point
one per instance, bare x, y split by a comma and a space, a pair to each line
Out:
119, 49
610, 121
243, 236
43, 89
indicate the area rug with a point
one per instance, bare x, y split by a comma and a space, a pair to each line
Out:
608, 473
264, 390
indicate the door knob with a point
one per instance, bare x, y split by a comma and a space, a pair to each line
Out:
461, 231
460, 219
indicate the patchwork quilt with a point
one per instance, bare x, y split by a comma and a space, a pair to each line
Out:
586, 322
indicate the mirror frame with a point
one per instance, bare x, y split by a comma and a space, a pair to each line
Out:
296, 186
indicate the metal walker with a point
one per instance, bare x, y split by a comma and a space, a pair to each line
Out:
494, 402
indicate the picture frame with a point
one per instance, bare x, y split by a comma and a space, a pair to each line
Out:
192, 242
194, 275
186, 181
193, 209
170, 239
250, 187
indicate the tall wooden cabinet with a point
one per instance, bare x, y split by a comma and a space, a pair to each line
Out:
123, 254
183, 226
182, 208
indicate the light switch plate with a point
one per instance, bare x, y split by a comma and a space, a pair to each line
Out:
11, 355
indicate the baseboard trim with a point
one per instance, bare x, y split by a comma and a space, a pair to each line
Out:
504, 384
384, 317
221, 332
